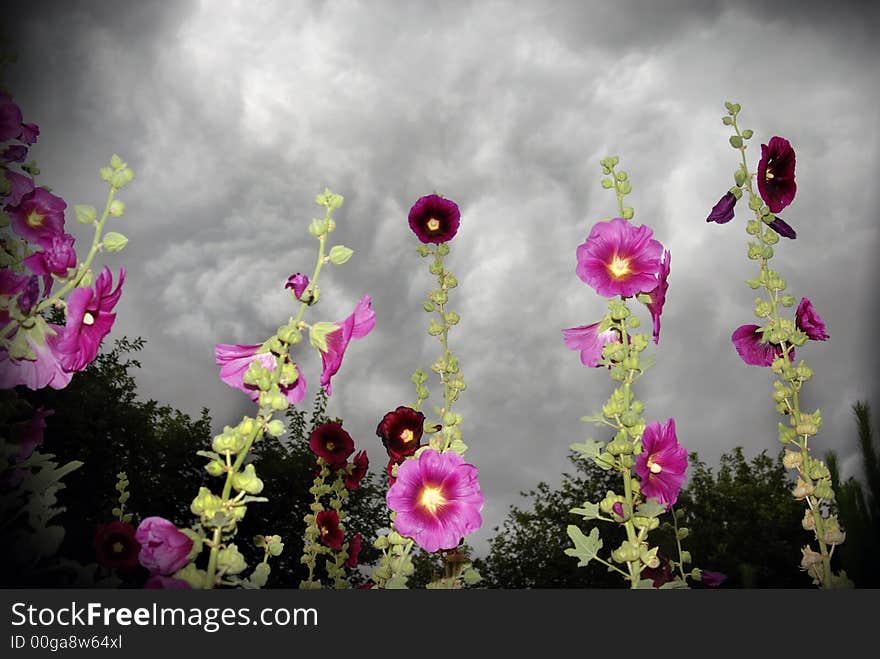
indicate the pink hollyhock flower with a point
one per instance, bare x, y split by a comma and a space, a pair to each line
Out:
354, 550
234, 360
437, 499
712, 579
356, 326
658, 295
46, 370
589, 341
89, 320
10, 118
809, 322
19, 186
116, 546
401, 431
298, 282
747, 341
360, 464
57, 257
782, 227
722, 212
164, 549
39, 214
776, 174
619, 258
161, 582
662, 463
328, 528
332, 443
434, 219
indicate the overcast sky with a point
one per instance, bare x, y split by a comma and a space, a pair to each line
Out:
233, 116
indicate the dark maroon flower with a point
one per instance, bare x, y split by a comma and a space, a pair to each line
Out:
161, 582
14, 153
722, 212
116, 546
809, 322
57, 257
712, 579
331, 443
658, 575
434, 219
401, 431
747, 341
39, 214
776, 174
353, 478
354, 550
783, 228
328, 529
390, 468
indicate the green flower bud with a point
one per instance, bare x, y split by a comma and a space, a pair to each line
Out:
206, 504
114, 242
423, 250
739, 176
802, 489
607, 183
649, 523
196, 578
628, 212
227, 441
85, 214
340, 254
87, 279
443, 249
215, 468
435, 329
230, 560
452, 318
117, 208
435, 268
428, 306
824, 491
736, 141
727, 121
753, 227
747, 133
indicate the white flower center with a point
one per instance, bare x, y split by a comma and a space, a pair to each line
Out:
618, 267
88, 319
654, 467
432, 498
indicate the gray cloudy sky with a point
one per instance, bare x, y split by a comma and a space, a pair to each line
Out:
235, 114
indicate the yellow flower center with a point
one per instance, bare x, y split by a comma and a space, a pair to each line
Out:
619, 267
433, 224
117, 547
35, 219
654, 467
330, 446
324, 531
432, 498
88, 319
406, 436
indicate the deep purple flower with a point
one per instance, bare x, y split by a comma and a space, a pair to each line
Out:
20, 185
161, 582
234, 360
332, 443
57, 257
589, 341
298, 282
89, 320
722, 212
44, 371
360, 464
39, 214
116, 546
356, 326
747, 341
619, 258
29, 133
354, 550
783, 228
30, 295
328, 529
434, 219
658, 295
164, 548
14, 153
712, 579
401, 431
29, 434
809, 322
437, 499
10, 118
659, 575
662, 463
776, 174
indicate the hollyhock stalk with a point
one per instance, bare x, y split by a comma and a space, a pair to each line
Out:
814, 480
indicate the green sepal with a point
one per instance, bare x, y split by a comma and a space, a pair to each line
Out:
739, 176
318, 334
586, 548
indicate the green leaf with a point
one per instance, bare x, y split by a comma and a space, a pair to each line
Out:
650, 508
588, 511
645, 584
588, 449
674, 584
586, 548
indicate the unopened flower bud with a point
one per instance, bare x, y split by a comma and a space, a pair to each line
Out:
215, 468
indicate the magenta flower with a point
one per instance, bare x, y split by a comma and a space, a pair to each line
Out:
712, 579
161, 582
328, 529
29, 133
164, 549
437, 499
589, 341
89, 320
57, 257
354, 550
617, 508
10, 118
39, 214
658, 295
662, 463
332, 443
14, 153
116, 546
298, 282
360, 464
234, 360
747, 341
776, 174
619, 259
722, 212
434, 219
809, 322
782, 227
46, 370
356, 326
401, 431
19, 186
11, 285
